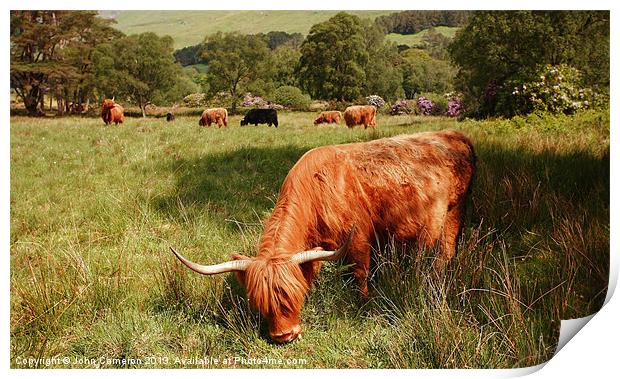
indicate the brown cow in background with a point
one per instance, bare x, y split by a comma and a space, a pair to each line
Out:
337, 201
214, 115
328, 117
112, 112
360, 114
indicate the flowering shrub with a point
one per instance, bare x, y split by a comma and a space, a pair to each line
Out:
375, 100
433, 104
425, 105
250, 100
400, 107
555, 89
454, 108
195, 100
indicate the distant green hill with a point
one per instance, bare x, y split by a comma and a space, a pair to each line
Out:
416, 39
190, 27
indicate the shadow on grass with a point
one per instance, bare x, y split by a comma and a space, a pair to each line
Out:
239, 184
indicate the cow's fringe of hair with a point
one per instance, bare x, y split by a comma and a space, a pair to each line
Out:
276, 286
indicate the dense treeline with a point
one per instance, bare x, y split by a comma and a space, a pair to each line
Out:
191, 55
500, 63
345, 57
411, 22
52, 53
278, 39
188, 55
504, 55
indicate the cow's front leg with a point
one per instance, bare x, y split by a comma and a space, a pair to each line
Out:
359, 255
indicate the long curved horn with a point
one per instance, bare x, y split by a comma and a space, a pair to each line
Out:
318, 255
221, 268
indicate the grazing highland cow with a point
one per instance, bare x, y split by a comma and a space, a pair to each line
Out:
260, 116
336, 201
328, 117
214, 115
360, 114
112, 112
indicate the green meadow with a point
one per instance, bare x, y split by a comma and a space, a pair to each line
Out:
190, 27
94, 210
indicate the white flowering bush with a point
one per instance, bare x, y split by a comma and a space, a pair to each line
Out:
375, 100
555, 89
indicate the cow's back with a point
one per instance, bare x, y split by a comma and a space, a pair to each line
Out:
399, 185
117, 114
360, 114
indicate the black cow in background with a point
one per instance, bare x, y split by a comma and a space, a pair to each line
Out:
260, 116
169, 117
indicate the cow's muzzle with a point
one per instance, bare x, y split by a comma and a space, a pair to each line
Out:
286, 336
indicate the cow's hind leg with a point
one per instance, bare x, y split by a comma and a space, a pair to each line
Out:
451, 232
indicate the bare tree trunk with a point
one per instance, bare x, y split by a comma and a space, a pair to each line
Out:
233, 108
31, 101
60, 106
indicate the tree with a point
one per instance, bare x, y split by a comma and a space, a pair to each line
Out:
236, 62
422, 73
183, 86
73, 91
436, 44
137, 66
188, 55
410, 22
497, 45
333, 58
278, 39
383, 76
51, 50
285, 61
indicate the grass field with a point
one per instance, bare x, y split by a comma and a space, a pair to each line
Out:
416, 39
95, 209
191, 27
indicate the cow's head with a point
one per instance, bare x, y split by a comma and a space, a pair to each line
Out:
275, 286
243, 122
108, 104
318, 120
